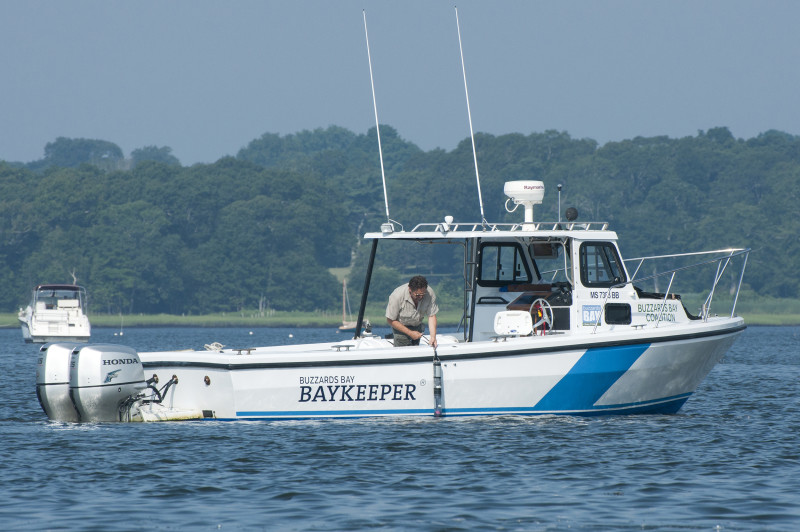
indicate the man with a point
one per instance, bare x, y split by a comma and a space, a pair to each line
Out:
408, 305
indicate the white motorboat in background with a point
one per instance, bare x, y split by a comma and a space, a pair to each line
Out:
57, 313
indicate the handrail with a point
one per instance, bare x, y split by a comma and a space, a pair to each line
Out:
454, 227
739, 284
676, 255
733, 253
664, 301
722, 264
692, 253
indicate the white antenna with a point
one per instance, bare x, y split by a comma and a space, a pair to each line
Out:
377, 125
469, 115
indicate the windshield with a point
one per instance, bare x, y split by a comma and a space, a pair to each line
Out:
551, 260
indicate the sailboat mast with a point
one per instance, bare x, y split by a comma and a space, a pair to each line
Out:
344, 298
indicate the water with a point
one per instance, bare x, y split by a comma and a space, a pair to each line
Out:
730, 460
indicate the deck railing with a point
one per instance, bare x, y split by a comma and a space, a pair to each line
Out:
722, 259
471, 227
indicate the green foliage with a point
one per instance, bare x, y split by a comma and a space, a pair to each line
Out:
161, 238
262, 229
156, 154
70, 153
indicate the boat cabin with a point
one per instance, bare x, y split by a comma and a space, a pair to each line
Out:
569, 277
58, 297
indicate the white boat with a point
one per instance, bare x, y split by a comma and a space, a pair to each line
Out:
57, 313
555, 323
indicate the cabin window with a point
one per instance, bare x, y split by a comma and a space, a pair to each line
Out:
600, 265
503, 264
618, 314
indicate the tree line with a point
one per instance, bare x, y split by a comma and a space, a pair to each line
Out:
263, 228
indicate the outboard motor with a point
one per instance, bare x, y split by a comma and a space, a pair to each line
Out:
102, 378
52, 382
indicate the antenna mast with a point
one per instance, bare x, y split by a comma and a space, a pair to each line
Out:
377, 125
469, 115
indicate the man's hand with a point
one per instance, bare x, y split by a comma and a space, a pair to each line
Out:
395, 324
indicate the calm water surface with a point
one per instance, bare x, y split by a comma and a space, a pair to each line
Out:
730, 460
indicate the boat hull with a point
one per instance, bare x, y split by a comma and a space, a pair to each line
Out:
54, 339
584, 376
43, 332
635, 378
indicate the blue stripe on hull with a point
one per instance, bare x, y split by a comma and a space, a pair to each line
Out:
596, 371
664, 406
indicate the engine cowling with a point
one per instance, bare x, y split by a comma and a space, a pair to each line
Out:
52, 382
101, 378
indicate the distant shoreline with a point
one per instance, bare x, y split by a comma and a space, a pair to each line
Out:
271, 319
304, 320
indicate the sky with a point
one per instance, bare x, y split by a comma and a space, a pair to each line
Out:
206, 77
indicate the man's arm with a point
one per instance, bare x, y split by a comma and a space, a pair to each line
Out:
432, 327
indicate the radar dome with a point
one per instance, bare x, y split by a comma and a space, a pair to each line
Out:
527, 194
524, 191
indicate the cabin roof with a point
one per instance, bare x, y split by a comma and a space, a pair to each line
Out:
59, 287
